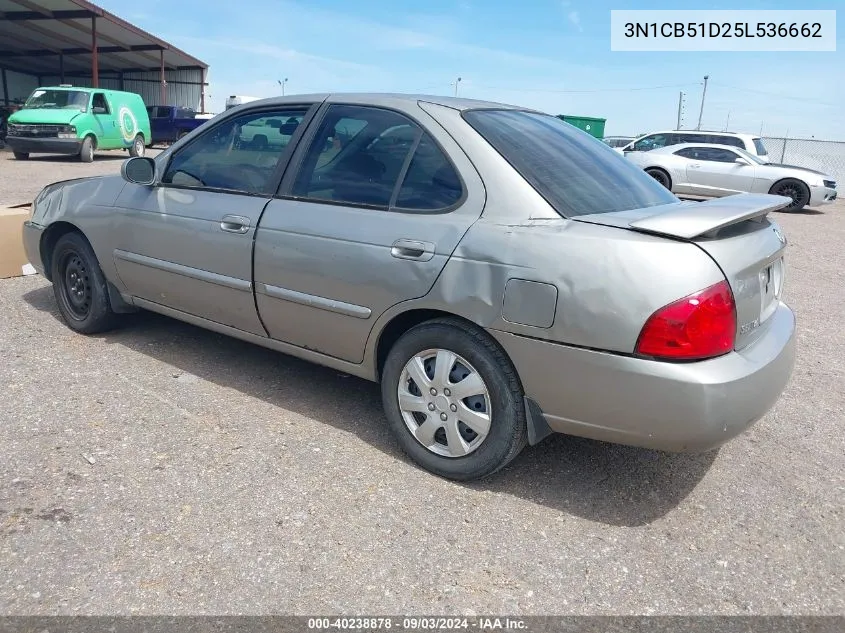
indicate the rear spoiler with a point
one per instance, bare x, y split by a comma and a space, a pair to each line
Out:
702, 219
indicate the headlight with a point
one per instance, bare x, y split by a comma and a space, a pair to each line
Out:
12, 129
67, 131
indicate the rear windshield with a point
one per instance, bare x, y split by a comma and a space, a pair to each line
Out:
761, 149
576, 173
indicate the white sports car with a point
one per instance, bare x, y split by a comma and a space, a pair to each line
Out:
701, 169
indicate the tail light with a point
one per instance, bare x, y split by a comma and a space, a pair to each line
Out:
702, 325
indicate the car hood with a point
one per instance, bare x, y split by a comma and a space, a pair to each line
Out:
65, 199
46, 115
799, 168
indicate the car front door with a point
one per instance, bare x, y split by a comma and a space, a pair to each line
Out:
370, 218
186, 243
108, 134
715, 172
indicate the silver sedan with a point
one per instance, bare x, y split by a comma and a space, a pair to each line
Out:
502, 274
721, 170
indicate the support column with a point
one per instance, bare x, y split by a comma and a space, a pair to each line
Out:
95, 62
161, 77
5, 87
61, 68
202, 91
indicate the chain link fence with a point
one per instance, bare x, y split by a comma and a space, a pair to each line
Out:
824, 156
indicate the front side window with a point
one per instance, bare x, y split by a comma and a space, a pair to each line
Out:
575, 173
653, 141
240, 154
357, 156
716, 155
99, 105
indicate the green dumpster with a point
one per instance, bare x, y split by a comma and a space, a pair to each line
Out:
591, 125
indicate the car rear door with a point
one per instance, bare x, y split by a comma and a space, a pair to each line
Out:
375, 209
186, 244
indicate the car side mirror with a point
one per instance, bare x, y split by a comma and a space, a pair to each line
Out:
741, 161
139, 170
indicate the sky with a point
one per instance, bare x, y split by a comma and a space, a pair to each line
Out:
552, 55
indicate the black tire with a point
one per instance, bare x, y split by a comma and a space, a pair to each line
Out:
508, 432
21, 155
86, 152
660, 176
792, 188
80, 287
137, 148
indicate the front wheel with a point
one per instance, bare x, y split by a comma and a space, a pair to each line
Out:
795, 189
86, 153
453, 400
138, 147
21, 155
80, 287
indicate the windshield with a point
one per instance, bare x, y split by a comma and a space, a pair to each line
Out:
761, 149
58, 100
576, 173
749, 156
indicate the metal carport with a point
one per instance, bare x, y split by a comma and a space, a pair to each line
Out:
44, 42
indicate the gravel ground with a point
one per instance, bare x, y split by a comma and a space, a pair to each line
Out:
163, 469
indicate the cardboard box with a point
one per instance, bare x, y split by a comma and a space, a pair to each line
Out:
12, 256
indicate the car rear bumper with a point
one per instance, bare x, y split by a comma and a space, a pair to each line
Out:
44, 145
667, 406
821, 195
32, 244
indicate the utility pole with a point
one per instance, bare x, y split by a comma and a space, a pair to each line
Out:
282, 84
703, 94
456, 86
728, 122
680, 110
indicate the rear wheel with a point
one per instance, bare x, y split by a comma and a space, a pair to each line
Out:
453, 400
80, 287
138, 146
21, 155
86, 153
660, 176
795, 189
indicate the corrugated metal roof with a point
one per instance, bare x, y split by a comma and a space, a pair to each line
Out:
38, 37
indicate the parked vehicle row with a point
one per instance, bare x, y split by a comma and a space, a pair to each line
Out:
77, 121
750, 143
721, 170
502, 274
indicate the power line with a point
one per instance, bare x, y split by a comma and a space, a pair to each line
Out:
773, 94
586, 91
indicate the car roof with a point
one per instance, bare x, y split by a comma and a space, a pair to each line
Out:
387, 99
741, 135
671, 149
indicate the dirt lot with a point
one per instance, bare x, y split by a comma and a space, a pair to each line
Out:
166, 469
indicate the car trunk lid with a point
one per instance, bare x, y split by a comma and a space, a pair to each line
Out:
737, 234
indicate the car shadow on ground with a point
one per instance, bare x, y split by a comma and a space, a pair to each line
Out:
804, 211
602, 482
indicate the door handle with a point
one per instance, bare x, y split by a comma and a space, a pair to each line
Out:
695, 166
234, 224
412, 249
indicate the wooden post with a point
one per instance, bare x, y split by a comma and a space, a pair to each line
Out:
95, 69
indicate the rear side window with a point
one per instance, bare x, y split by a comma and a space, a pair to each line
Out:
366, 156
761, 149
576, 173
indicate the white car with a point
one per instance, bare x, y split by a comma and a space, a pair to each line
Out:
750, 143
720, 170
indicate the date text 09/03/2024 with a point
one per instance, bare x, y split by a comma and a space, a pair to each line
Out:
415, 623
